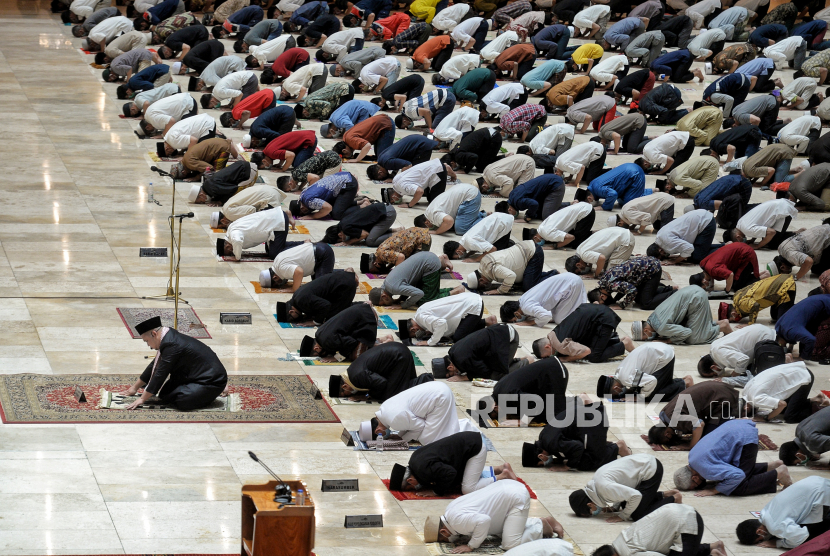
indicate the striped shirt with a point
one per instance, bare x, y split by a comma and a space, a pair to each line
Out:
432, 100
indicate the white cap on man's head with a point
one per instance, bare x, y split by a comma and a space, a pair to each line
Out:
472, 280
246, 141
365, 431
194, 192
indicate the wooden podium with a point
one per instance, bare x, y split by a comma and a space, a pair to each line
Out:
270, 531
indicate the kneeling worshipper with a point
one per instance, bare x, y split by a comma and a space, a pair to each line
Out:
186, 133
378, 374
728, 456
502, 176
415, 281
569, 226
248, 201
487, 354
628, 487
306, 259
396, 250
317, 301
160, 116
370, 224
521, 265
811, 188
547, 380
673, 529
427, 178
590, 332
552, 299
735, 263
203, 159
193, 373
801, 323
269, 227
637, 280
457, 209
620, 185
812, 440
221, 186
781, 390
775, 292
767, 222
695, 412
605, 248
733, 356
688, 237
425, 413
452, 317
499, 510
648, 371
349, 333
656, 210
582, 444
794, 516
490, 234
683, 318
808, 250
453, 464
330, 196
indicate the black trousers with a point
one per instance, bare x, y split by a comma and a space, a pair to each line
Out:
594, 169
666, 216
652, 293
438, 188
468, 325
764, 84
487, 86
605, 345
652, 497
442, 57
586, 93
503, 242
681, 74
344, 202
684, 154
691, 543
188, 396
534, 271
633, 142
667, 385
816, 529
323, 260
525, 67
798, 405
779, 237
582, 230
279, 243
757, 479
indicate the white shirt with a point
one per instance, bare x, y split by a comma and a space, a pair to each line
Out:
230, 86
775, 384
173, 108
648, 359
300, 256
447, 203
554, 298
459, 65
498, 45
498, 99
110, 28
786, 515
423, 175
551, 137
340, 42
372, 72
676, 238
603, 242
705, 39
196, 126
255, 229
705, 7
590, 15
659, 532
770, 214
642, 211
83, 8
154, 95
425, 413
302, 78
480, 238
457, 123
800, 126
557, 225
442, 316
604, 71
784, 49
252, 199
483, 512
448, 18
737, 350
271, 50
542, 547
660, 148
803, 87
463, 31
221, 67
579, 156
617, 482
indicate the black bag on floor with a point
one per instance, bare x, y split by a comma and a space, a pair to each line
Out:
767, 354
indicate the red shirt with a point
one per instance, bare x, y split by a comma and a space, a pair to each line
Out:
288, 61
431, 48
292, 141
730, 259
256, 104
394, 24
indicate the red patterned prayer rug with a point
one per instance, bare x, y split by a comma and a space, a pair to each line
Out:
764, 443
31, 398
403, 495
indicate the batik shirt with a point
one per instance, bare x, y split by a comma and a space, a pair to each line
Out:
325, 190
321, 103
171, 24
317, 164
624, 278
407, 242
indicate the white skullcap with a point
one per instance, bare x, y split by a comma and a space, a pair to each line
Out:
246, 141
177, 68
472, 280
571, 29
365, 431
194, 192
277, 92
265, 278
612, 220
409, 64
214, 219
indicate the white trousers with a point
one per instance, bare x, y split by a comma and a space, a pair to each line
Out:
475, 475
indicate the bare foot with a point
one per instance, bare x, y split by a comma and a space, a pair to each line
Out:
774, 464
507, 473
490, 320
689, 381
784, 476
628, 343
717, 548
625, 450
457, 290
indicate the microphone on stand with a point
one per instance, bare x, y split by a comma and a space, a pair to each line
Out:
184, 215
283, 491
159, 171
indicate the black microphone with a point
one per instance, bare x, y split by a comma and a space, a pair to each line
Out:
159, 171
283, 491
184, 215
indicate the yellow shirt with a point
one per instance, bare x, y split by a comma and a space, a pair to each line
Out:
587, 52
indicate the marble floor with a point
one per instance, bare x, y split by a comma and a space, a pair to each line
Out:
74, 187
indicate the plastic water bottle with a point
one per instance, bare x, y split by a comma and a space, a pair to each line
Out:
379, 446
150, 198
300, 497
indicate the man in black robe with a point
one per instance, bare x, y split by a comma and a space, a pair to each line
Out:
350, 333
546, 379
379, 374
476, 151
319, 300
488, 353
448, 466
581, 443
590, 332
193, 373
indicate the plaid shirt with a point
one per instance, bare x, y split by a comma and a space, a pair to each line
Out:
321, 103
408, 39
511, 11
623, 279
317, 164
518, 120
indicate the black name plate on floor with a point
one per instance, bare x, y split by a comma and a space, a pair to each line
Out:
346, 437
235, 318
355, 521
339, 485
79, 395
152, 252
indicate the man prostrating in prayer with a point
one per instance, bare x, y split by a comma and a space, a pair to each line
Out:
193, 373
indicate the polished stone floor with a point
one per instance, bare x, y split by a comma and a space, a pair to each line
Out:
73, 189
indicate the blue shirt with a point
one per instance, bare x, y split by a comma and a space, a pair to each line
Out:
530, 195
308, 11
721, 188
757, 67
249, 15
405, 152
545, 71
664, 63
623, 183
762, 35
325, 190
352, 113
809, 30
734, 84
265, 126
619, 34
144, 80
550, 33
795, 324
374, 6
718, 454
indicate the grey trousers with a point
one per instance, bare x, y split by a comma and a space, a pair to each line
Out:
380, 231
725, 100
646, 47
553, 202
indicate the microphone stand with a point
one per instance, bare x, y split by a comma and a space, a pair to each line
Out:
171, 293
282, 492
181, 217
